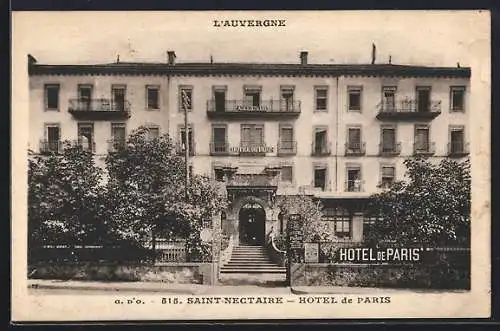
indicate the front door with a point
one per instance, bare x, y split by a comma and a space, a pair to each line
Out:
252, 225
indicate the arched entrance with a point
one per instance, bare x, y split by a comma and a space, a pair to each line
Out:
252, 224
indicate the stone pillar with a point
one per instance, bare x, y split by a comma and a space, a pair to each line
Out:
357, 227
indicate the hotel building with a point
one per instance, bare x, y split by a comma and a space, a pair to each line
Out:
333, 131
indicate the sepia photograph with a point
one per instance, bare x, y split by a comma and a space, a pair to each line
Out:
219, 165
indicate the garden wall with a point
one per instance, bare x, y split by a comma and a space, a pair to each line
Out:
377, 275
181, 273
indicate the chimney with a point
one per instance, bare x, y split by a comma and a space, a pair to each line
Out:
303, 57
171, 57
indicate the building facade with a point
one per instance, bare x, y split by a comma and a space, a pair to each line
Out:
336, 132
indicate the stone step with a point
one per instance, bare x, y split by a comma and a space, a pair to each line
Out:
245, 267
257, 264
247, 258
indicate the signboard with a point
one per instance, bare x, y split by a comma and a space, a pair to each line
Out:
251, 108
295, 238
252, 149
311, 252
206, 235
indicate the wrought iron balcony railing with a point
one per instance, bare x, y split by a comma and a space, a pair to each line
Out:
99, 109
114, 145
388, 150
458, 149
50, 146
355, 149
287, 147
219, 148
354, 185
425, 149
252, 180
246, 109
86, 145
408, 109
321, 149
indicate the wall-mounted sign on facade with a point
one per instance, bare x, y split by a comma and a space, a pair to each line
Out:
252, 149
252, 108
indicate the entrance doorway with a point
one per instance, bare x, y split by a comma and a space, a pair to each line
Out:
252, 224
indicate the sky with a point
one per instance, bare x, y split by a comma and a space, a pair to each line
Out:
440, 38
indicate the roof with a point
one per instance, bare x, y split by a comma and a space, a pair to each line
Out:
264, 69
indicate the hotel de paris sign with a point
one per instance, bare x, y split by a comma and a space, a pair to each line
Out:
257, 149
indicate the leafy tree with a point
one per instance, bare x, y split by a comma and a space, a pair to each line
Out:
310, 211
148, 196
432, 206
64, 198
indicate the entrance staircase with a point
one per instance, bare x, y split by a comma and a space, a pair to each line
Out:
251, 260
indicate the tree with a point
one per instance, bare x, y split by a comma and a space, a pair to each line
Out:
432, 206
64, 198
310, 211
147, 192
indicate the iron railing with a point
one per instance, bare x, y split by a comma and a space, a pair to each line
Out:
266, 106
458, 148
388, 150
219, 148
354, 185
428, 148
355, 149
96, 105
287, 147
50, 146
409, 106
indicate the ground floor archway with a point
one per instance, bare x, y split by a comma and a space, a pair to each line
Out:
252, 224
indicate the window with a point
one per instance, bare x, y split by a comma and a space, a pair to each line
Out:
422, 138
321, 97
388, 98
388, 136
320, 176
341, 220
219, 139
252, 135
423, 99
286, 139
287, 173
86, 136
219, 174
118, 135
286, 95
185, 98
387, 175
252, 96
354, 139
53, 137
52, 97
153, 131
220, 98
369, 224
353, 178
320, 144
190, 138
118, 93
457, 98
354, 98
457, 144
85, 95
153, 97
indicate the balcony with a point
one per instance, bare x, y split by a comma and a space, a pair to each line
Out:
179, 148
287, 148
50, 146
385, 150
408, 110
354, 185
458, 149
219, 148
323, 149
427, 149
84, 144
242, 109
355, 149
98, 109
114, 145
